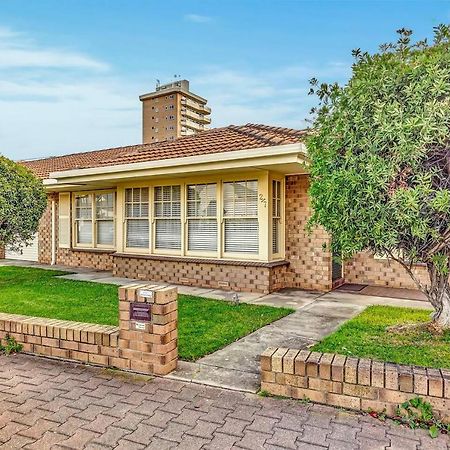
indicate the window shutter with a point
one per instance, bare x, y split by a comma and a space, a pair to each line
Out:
64, 220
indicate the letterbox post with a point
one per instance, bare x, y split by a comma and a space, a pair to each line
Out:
148, 323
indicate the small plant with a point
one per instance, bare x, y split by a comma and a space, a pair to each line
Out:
263, 393
10, 346
416, 413
305, 400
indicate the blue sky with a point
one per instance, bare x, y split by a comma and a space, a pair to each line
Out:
71, 71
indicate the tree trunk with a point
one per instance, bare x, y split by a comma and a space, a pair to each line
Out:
438, 294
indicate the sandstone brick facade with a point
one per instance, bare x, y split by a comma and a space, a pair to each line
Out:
365, 269
353, 383
147, 347
246, 277
306, 265
309, 265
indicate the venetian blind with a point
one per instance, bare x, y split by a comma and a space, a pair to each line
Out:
104, 212
202, 217
167, 207
276, 216
136, 217
240, 204
83, 219
64, 220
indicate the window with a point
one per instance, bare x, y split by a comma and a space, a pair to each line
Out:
167, 217
136, 217
276, 216
83, 220
104, 214
240, 210
94, 219
202, 217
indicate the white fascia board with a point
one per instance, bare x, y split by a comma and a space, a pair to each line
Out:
258, 153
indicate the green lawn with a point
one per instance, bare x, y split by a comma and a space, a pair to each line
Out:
367, 336
204, 325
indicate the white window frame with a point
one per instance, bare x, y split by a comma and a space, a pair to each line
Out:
279, 216
242, 255
94, 244
139, 250
205, 253
154, 219
264, 179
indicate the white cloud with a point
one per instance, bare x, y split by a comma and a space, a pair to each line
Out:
78, 107
275, 97
197, 18
18, 51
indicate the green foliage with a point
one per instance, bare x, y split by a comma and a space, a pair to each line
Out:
380, 152
10, 346
417, 413
22, 203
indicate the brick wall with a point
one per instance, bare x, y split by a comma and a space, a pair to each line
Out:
309, 264
147, 347
247, 277
309, 267
45, 231
352, 383
365, 269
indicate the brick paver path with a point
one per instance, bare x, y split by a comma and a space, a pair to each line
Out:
52, 404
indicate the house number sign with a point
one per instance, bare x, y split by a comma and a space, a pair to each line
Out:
140, 312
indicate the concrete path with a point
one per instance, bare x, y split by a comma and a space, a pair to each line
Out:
49, 404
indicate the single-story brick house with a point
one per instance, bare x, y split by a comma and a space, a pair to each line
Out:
225, 208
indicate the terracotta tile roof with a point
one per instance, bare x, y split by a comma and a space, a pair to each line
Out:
216, 140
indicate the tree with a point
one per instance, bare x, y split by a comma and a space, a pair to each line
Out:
380, 160
22, 202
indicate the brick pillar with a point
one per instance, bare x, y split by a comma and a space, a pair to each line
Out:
148, 323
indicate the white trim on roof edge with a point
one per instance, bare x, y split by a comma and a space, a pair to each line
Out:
272, 151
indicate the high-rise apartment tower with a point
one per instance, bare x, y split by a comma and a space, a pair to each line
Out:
172, 111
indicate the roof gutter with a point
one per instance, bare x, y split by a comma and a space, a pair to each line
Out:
290, 153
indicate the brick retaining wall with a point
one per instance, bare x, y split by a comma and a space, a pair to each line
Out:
147, 347
353, 383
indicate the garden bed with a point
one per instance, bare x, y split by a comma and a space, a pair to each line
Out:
370, 335
205, 325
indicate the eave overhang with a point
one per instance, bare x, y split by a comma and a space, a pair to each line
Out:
283, 159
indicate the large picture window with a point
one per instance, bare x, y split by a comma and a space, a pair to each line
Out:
94, 219
137, 218
202, 217
240, 212
167, 211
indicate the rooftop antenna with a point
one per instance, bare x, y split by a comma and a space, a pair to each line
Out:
158, 83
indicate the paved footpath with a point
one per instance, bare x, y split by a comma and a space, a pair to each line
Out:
52, 404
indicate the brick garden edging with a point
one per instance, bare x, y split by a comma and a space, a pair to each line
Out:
145, 347
353, 383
